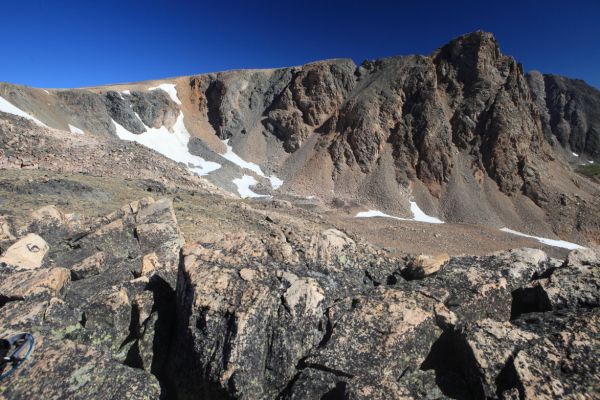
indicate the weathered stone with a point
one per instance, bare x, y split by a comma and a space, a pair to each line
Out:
20, 285
574, 284
149, 264
65, 369
93, 265
481, 287
424, 265
27, 253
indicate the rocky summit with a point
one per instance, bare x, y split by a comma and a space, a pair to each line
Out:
414, 227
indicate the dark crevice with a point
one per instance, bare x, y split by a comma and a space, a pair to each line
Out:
134, 359
302, 364
455, 367
328, 331
528, 300
214, 97
369, 279
507, 379
83, 319
287, 390
231, 333
134, 328
8, 299
164, 331
339, 392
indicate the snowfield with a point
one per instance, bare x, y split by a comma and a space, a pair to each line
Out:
75, 129
418, 215
549, 242
275, 182
7, 107
243, 186
170, 89
171, 145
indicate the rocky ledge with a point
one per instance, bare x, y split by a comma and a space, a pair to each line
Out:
121, 307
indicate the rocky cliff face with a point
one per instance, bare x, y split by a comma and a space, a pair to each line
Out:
569, 111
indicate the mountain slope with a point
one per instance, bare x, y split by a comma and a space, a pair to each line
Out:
463, 132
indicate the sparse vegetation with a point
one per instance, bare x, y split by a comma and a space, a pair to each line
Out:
591, 170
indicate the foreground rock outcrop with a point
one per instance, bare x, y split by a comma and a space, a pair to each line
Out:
96, 311
121, 308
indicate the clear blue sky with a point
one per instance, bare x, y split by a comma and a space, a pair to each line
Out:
89, 42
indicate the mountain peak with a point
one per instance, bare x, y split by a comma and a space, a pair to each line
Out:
470, 49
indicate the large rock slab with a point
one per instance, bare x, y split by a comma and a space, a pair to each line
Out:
27, 253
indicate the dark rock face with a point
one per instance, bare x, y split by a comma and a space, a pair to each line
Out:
120, 110
467, 95
155, 108
314, 94
569, 110
90, 109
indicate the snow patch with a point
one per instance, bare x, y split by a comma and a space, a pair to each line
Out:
8, 107
418, 215
126, 92
575, 154
75, 129
275, 182
377, 213
590, 161
46, 91
243, 186
549, 242
171, 145
170, 89
240, 162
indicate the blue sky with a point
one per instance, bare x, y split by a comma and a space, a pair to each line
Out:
82, 43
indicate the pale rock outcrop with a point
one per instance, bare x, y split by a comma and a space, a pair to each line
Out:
27, 253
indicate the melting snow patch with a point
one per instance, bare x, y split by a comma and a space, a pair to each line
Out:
240, 162
549, 242
170, 89
171, 145
590, 161
7, 107
126, 92
275, 182
237, 160
243, 186
75, 129
377, 213
575, 154
418, 215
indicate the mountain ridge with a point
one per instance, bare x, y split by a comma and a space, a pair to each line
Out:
378, 133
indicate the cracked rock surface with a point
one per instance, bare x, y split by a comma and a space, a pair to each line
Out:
121, 307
